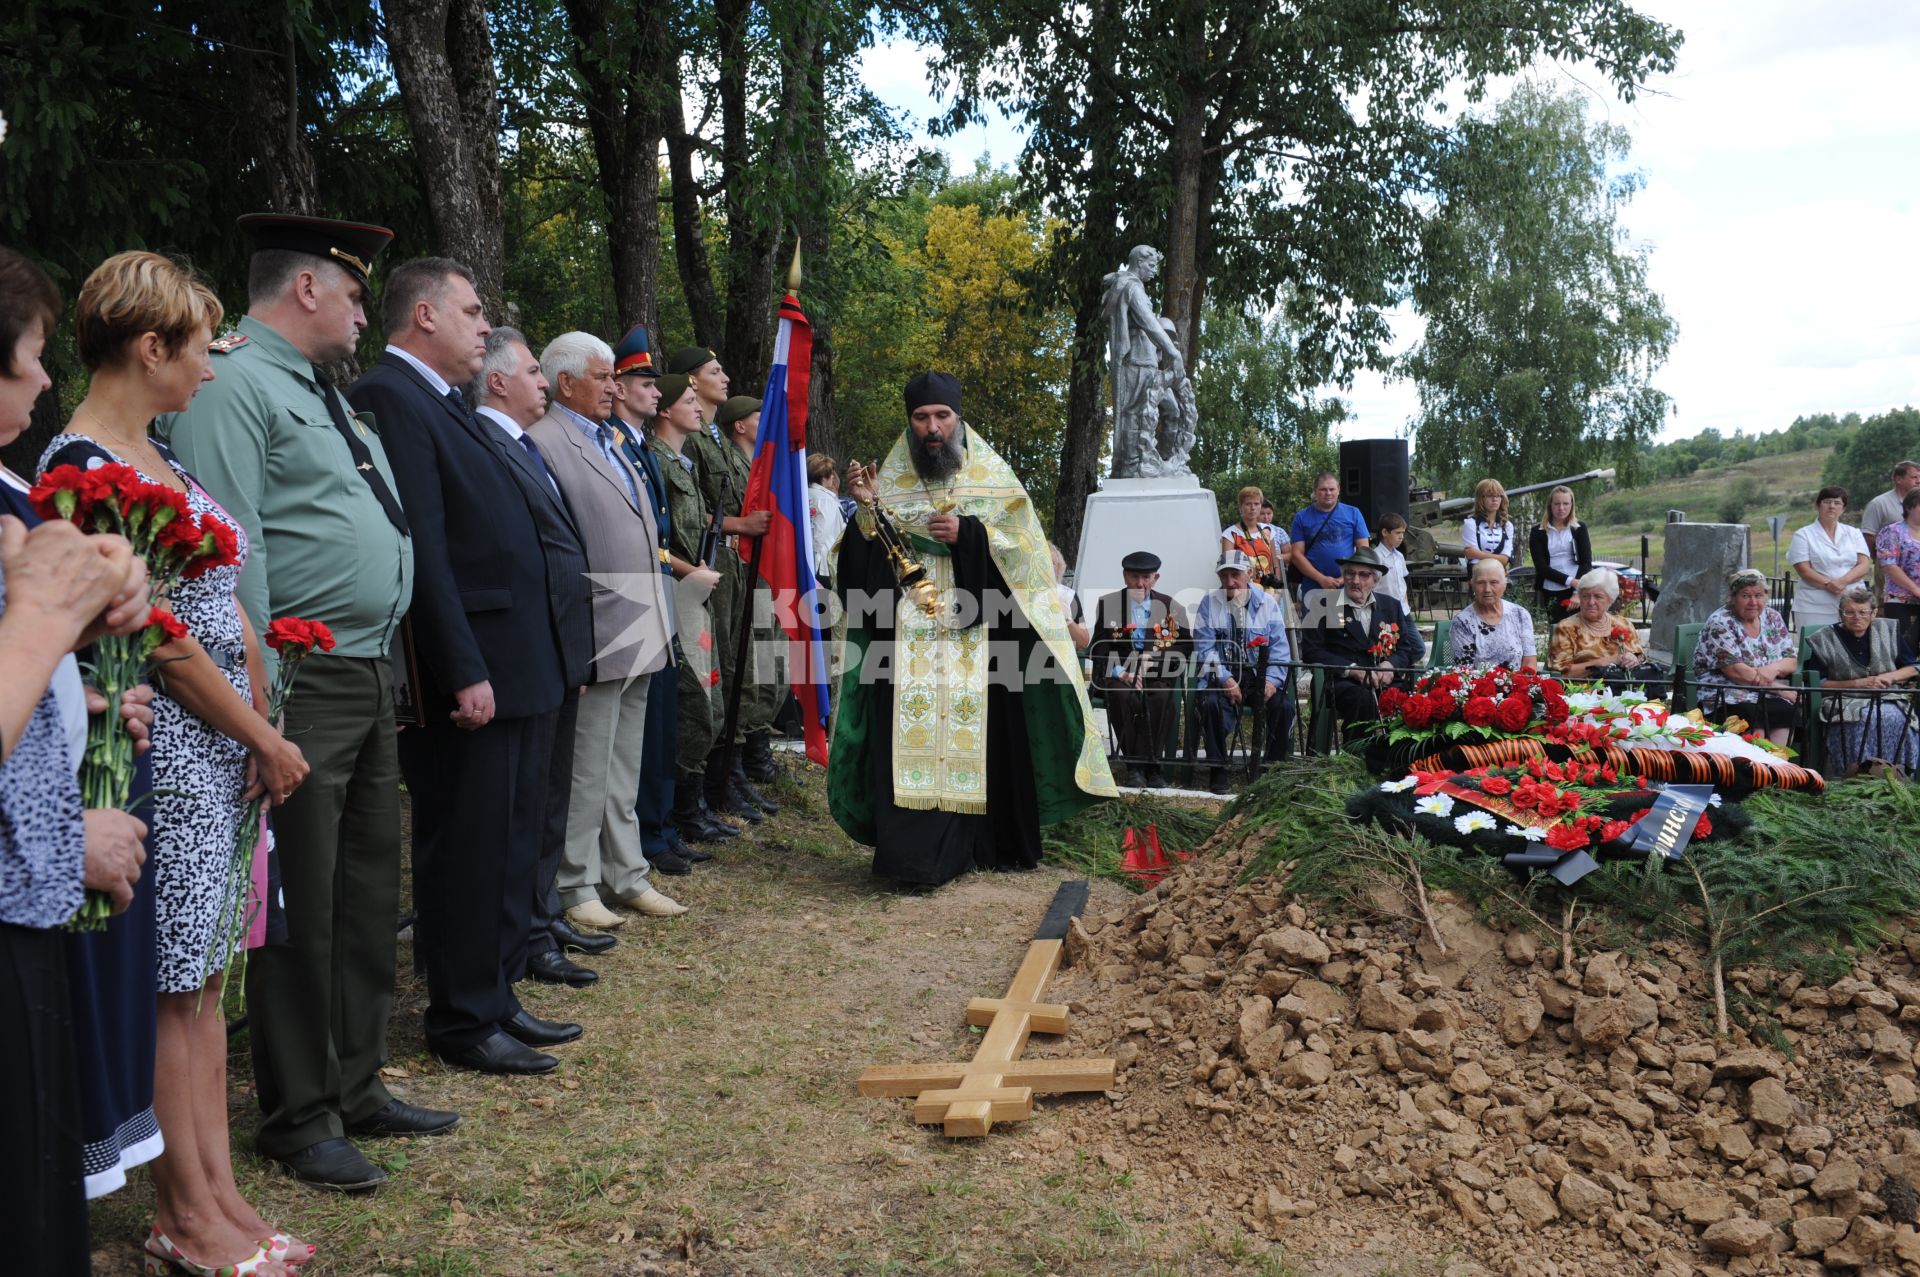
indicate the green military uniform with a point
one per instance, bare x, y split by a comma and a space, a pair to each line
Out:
699, 691
723, 471
263, 440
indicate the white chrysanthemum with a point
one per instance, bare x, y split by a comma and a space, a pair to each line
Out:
1532, 833
1473, 820
1435, 805
1399, 786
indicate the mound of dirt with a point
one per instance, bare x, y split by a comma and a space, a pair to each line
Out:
1332, 1083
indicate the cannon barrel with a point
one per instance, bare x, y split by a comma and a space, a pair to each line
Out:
1451, 506
1422, 547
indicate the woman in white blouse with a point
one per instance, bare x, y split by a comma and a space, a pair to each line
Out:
1562, 553
1829, 556
1487, 533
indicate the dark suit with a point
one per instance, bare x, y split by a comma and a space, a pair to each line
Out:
481, 613
1331, 635
653, 807
1140, 716
568, 595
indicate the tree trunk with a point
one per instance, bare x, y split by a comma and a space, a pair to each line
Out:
270, 85
690, 237
443, 61
816, 237
1186, 158
1097, 252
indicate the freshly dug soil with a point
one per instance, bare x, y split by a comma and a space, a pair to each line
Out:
1336, 1084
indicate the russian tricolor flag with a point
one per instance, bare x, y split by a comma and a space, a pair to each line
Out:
779, 484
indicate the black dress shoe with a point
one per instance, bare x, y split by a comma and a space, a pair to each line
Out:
684, 849
668, 863
706, 829
550, 966
397, 1117
496, 1054
335, 1165
530, 1029
570, 939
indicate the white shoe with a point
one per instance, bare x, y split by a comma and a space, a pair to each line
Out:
596, 915
655, 904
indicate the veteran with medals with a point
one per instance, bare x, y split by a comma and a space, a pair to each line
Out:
964, 723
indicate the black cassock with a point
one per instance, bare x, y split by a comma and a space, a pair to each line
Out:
932, 847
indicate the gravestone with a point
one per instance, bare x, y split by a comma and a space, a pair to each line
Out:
1693, 576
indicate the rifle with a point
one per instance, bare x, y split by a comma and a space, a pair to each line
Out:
710, 540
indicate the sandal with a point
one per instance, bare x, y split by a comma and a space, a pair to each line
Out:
288, 1249
162, 1258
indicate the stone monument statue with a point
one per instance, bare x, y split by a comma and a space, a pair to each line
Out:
1154, 415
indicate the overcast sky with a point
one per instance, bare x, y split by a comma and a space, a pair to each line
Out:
1781, 208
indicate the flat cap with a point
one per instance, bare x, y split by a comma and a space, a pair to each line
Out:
350, 245
1141, 561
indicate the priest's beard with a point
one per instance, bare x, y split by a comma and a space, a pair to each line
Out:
936, 462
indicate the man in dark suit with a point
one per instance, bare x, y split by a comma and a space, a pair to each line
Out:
1343, 628
511, 394
481, 634
1141, 638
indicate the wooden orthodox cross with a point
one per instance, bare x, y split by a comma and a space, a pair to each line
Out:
997, 1085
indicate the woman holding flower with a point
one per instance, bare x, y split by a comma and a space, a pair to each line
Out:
55, 584
1593, 642
142, 325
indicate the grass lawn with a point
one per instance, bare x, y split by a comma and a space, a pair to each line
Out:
708, 1121
1768, 485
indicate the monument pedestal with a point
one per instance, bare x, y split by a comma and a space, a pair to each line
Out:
1171, 516
1693, 576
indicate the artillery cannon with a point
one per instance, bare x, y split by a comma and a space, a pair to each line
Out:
1426, 511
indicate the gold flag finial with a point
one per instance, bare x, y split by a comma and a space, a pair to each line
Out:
793, 271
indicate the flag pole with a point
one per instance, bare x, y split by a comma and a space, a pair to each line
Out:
743, 622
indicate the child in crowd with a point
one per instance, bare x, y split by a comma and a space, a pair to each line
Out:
1393, 530
1488, 531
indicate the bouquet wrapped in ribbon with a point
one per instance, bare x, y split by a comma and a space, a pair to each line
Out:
176, 546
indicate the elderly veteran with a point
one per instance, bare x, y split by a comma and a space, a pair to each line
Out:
1745, 657
1365, 635
1861, 654
1140, 637
1593, 642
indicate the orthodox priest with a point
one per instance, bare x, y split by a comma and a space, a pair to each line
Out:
964, 723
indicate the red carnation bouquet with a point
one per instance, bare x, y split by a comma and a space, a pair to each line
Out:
1564, 806
293, 640
1495, 704
177, 546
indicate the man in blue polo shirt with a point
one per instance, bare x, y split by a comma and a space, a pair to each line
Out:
1323, 534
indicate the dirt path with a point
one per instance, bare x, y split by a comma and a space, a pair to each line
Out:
708, 1122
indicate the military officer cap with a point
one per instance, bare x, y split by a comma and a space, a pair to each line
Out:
1233, 561
634, 354
738, 408
1141, 561
690, 359
350, 245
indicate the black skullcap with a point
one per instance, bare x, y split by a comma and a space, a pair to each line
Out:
690, 358
1141, 561
931, 388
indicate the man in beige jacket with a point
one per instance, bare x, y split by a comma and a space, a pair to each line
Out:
632, 634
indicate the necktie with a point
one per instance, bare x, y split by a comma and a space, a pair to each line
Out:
539, 462
605, 436
357, 449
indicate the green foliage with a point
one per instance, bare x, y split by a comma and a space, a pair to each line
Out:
1861, 464
1542, 334
1260, 422
1740, 496
1090, 841
1300, 808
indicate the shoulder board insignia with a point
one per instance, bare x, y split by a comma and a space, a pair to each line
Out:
226, 345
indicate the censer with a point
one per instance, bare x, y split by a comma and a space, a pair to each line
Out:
912, 574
